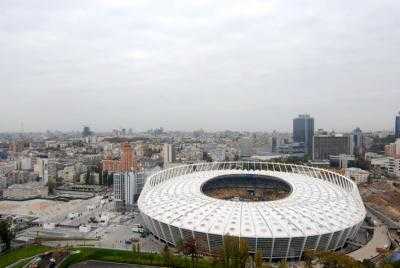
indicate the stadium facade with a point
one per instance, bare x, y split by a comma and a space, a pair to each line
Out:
320, 212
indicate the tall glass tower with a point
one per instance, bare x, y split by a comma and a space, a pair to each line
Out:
397, 127
303, 131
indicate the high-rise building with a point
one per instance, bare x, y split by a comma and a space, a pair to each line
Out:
325, 146
169, 154
128, 161
134, 184
127, 187
110, 164
41, 167
86, 132
125, 164
303, 131
358, 141
18, 146
50, 173
274, 145
119, 189
397, 127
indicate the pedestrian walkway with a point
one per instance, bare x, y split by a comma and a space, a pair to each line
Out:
380, 239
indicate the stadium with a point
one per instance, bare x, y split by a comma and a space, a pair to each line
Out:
281, 210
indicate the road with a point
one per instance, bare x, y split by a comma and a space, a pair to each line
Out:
380, 239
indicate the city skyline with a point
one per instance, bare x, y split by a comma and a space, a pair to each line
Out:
125, 131
250, 65
111, 129
230, 133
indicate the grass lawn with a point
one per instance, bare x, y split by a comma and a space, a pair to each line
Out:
110, 255
21, 253
123, 256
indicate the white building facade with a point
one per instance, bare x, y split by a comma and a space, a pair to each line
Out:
40, 169
357, 174
127, 186
394, 167
169, 154
389, 164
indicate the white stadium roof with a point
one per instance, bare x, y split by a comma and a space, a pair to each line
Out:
314, 207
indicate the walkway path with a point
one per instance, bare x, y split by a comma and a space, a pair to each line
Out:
380, 239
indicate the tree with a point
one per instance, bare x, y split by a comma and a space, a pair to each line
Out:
378, 144
219, 258
243, 252
231, 251
151, 258
189, 248
267, 265
138, 249
361, 162
283, 264
333, 260
258, 261
51, 186
134, 249
104, 176
6, 233
387, 265
88, 177
110, 179
216, 259
308, 257
167, 255
207, 157
368, 264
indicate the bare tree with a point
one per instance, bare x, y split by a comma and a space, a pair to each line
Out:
243, 252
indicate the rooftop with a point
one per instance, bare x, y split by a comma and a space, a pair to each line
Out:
314, 207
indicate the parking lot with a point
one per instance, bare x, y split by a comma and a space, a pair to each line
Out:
106, 227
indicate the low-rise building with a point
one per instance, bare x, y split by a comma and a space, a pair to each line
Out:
356, 174
68, 174
393, 149
24, 163
341, 161
389, 164
394, 167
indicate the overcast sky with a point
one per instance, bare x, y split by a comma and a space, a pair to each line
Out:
182, 65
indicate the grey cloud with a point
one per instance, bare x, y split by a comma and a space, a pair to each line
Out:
211, 64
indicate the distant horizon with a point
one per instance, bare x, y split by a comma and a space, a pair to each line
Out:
187, 130
137, 130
